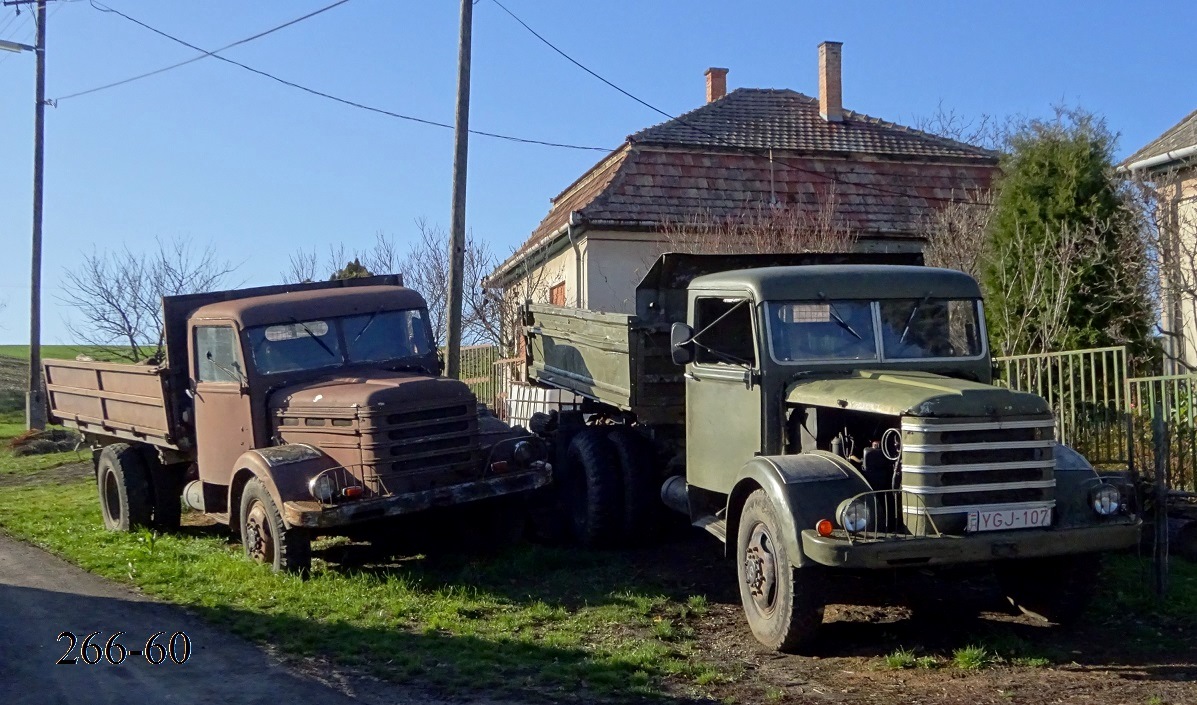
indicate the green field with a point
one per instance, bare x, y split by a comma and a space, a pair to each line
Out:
57, 352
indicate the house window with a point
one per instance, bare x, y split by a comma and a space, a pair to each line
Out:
557, 294
724, 332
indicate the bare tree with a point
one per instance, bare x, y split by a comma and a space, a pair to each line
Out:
986, 131
1050, 276
303, 267
958, 234
118, 294
761, 228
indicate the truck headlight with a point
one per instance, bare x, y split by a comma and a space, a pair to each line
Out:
322, 487
1107, 500
855, 515
525, 452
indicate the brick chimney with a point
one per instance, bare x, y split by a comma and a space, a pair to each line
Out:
716, 84
831, 96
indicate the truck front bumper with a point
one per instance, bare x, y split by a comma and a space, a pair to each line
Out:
314, 515
836, 551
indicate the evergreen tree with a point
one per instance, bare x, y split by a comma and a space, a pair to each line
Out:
1066, 268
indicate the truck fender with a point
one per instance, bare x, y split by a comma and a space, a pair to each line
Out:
804, 488
1075, 480
285, 470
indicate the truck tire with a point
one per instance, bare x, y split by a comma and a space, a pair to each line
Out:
591, 490
641, 485
265, 537
124, 486
1056, 589
783, 604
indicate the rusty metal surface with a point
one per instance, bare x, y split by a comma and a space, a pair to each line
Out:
314, 515
113, 399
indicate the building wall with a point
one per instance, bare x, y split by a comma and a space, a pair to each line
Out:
1182, 317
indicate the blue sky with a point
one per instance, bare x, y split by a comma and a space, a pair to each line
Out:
211, 152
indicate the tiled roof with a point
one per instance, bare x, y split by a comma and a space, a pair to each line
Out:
1182, 134
762, 119
884, 178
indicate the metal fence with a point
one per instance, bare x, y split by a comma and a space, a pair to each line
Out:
478, 371
1087, 391
1170, 398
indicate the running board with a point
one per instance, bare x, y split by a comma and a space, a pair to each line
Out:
717, 527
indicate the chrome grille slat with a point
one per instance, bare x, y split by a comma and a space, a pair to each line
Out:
1012, 459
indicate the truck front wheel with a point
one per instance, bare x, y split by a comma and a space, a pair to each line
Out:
1056, 589
782, 603
265, 537
124, 486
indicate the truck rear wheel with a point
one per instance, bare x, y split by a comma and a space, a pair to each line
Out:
782, 603
124, 486
591, 489
1056, 589
265, 537
641, 484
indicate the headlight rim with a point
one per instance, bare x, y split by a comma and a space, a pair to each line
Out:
864, 515
1106, 508
324, 479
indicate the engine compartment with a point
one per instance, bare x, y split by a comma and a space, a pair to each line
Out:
871, 442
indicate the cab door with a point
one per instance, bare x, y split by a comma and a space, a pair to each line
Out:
723, 396
223, 417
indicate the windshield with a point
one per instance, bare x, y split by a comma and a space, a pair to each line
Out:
825, 330
334, 341
930, 328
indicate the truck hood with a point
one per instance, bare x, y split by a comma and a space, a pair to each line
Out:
913, 394
378, 390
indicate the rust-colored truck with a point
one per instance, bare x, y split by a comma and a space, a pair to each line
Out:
287, 411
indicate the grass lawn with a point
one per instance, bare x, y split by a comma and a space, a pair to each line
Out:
560, 622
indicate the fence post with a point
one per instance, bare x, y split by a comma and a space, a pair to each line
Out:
1159, 555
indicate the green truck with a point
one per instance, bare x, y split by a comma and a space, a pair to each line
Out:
820, 414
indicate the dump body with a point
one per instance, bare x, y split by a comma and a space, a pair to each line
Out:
131, 402
610, 357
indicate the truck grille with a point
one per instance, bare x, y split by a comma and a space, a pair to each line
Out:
415, 450
953, 466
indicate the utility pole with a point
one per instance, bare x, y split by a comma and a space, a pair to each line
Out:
35, 401
461, 135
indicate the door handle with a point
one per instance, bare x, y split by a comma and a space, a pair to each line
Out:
690, 376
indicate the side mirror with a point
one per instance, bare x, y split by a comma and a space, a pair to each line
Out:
681, 344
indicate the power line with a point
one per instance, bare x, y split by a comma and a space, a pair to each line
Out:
727, 143
204, 55
362, 106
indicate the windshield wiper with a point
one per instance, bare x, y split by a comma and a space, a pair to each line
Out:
369, 322
313, 336
843, 324
913, 312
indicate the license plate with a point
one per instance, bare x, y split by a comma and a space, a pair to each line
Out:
1001, 519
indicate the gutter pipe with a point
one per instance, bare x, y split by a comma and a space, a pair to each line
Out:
1173, 156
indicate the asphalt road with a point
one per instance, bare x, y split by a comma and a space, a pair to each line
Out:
42, 596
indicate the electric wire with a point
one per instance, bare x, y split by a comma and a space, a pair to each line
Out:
345, 101
726, 143
204, 55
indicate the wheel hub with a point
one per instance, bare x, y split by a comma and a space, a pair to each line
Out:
257, 536
760, 569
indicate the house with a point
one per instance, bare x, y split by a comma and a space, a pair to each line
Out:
1169, 164
740, 150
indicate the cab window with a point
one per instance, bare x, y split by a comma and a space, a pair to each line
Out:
216, 355
723, 332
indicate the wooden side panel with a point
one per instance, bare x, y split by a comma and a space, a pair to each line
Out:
126, 401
